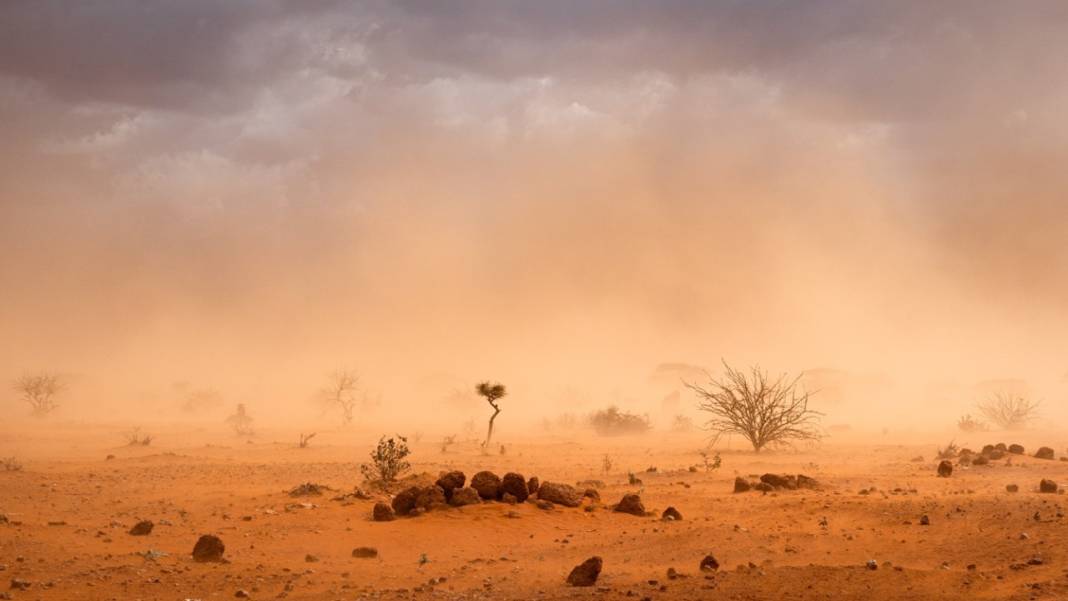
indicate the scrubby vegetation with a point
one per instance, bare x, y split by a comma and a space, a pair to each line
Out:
39, 391
240, 421
967, 423
10, 464
1009, 411
137, 438
387, 461
612, 421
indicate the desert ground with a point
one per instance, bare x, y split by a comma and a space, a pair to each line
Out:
70, 508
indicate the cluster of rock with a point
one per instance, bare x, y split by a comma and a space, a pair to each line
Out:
450, 490
773, 482
990, 452
587, 572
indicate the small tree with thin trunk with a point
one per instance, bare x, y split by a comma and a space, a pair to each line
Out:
341, 393
762, 410
1009, 411
492, 393
39, 391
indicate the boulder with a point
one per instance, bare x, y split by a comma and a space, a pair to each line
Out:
487, 484
586, 573
532, 485
382, 513
142, 528
365, 552
780, 481
763, 487
404, 502
980, 460
430, 497
741, 484
209, 548
560, 494
465, 496
1044, 453
1048, 486
592, 494
804, 481
632, 504
671, 514
515, 485
450, 481
1016, 449
945, 469
709, 564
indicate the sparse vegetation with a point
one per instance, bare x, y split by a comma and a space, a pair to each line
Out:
240, 421
10, 464
305, 439
1009, 411
606, 464
137, 438
447, 442
340, 392
764, 411
967, 423
492, 393
612, 420
682, 424
950, 451
387, 461
39, 391
711, 461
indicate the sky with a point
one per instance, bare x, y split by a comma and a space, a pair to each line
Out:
247, 195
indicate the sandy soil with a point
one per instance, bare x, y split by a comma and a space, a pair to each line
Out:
69, 511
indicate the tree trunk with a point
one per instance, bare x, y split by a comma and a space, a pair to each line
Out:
489, 432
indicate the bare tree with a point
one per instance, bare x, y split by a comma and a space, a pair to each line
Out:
1009, 411
341, 393
241, 421
492, 392
39, 391
764, 411
305, 439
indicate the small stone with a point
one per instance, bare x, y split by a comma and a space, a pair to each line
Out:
741, 485
1016, 449
945, 469
1012, 488
209, 548
671, 514
365, 552
586, 573
925, 521
242, 594
18, 584
465, 496
487, 484
1044, 453
709, 564
382, 513
632, 504
871, 564
142, 528
1047, 486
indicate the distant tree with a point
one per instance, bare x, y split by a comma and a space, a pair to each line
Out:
764, 411
613, 421
1009, 411
967, 423
341, 393
40, 391
240, 421
492, 393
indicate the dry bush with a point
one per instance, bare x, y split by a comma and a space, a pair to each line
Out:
340, 392
305, 439
10, 464
613, 421
606, 464
240, 421
387, 461
711, 461
682, 424
492, 392
136, 438
951, 451
967, 423
1009, 411
40, 391
447, 442
764, 411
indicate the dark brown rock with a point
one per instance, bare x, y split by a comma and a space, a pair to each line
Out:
1048, 486
780, 481
404, 502
365, 552
1012, 488
592, 494
209, 548
430, 497
1016, 449
382, 513
465, 496
671, 514
709, 564
586, 573
804, 481
742, 485
763, 487
450, 481
515, 485
487, 484
1044, 453
945, 469
532, 485
632, 504
980, 460
142, 528
560, 494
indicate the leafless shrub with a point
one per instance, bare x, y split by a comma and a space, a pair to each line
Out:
1009, 411
967, 423
682, 424
764, 411
951, 451
492, 392
387, 461
240, 421
612, 421
305, 439
447, 442
40, 391
10, 464
606, 464
136, 438
340, 392
711, 460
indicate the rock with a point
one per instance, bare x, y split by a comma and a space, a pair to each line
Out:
430, 497
242, 594
804, 481
1047, 486
560, 494
671, 514
924, 520
632, 504
741, 484
590, 484
709, 564
465, 496
871, 564
1012, 488
382, 513
209, 548
142, 528
450, 481
1001, 446
592, 494
515, 485
1016, 449
981, 460
309, 558
543, 504
1044, 453
780, 481
487, 484
987, 449
404, 502
365, 552
763, 487
586, 573
945, 469
509, 498
994, 454
18, 584
532, 485
308, 489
